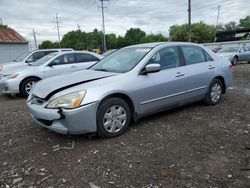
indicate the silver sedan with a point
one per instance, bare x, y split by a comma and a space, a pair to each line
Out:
235, 53
21, 79
128, 84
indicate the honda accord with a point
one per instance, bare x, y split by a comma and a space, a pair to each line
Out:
128, 84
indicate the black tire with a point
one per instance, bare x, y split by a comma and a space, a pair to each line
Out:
23, 85
209, 100
235, 60
248, 62
103, 109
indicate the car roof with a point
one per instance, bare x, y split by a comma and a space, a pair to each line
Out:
54, 49
86, 52
154, 44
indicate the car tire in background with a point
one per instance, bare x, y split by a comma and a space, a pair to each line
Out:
113, 117
26, 86
235, 60
214, 92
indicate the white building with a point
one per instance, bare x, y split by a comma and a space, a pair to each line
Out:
12, 44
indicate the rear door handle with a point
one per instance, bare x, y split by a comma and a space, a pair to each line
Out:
178, 74
73, 66
211, 67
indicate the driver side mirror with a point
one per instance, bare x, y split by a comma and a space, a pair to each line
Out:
155, 67
52, 64
29, 61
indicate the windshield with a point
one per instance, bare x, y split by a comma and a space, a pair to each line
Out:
43, 60
122, 60
22, 57
228, 49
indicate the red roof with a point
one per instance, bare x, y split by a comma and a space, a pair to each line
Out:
8, 35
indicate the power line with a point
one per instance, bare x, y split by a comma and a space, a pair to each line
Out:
189, 21
104, 48
57, 22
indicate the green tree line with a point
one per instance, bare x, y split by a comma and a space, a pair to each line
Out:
201, 33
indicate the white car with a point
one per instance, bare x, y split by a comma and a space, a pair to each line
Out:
28, 57
22, 79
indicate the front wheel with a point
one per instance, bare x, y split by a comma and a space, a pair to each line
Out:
27, 85
214, 92
113, 117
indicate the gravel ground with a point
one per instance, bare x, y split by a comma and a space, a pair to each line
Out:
193, 146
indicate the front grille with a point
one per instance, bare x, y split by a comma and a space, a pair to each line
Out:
44, 122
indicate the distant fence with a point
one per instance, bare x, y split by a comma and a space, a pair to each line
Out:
230, 43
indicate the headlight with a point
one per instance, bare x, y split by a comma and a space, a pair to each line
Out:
70, 101
10, 76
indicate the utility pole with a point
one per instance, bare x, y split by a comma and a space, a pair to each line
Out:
57, 22
103, 25
34, 35
217, 22
189, 21
80, 37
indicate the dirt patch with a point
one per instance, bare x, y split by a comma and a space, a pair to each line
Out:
192, 146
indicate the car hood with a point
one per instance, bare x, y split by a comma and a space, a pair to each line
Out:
16, 69
226, 54
13, 65
47, 87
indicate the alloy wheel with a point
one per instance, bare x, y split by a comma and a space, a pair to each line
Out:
216, 92
29, 86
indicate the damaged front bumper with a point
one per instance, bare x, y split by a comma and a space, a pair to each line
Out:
76, 121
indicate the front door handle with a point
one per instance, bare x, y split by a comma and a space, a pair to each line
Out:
73, 66
211, 67
178, 74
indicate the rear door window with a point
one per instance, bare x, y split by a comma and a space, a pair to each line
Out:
83, 57
193, 54
64, 59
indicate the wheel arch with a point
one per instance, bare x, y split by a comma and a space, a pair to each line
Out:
126, 98
36, 77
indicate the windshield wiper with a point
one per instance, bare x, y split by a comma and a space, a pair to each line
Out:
102, 70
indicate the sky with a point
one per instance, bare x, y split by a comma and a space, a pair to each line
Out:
151, 16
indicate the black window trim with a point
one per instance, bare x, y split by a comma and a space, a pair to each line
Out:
207, 60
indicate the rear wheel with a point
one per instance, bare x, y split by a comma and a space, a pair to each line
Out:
214, 92
27, 85
113, 117
235, 60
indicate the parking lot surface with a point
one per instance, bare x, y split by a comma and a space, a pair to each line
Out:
192, 146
